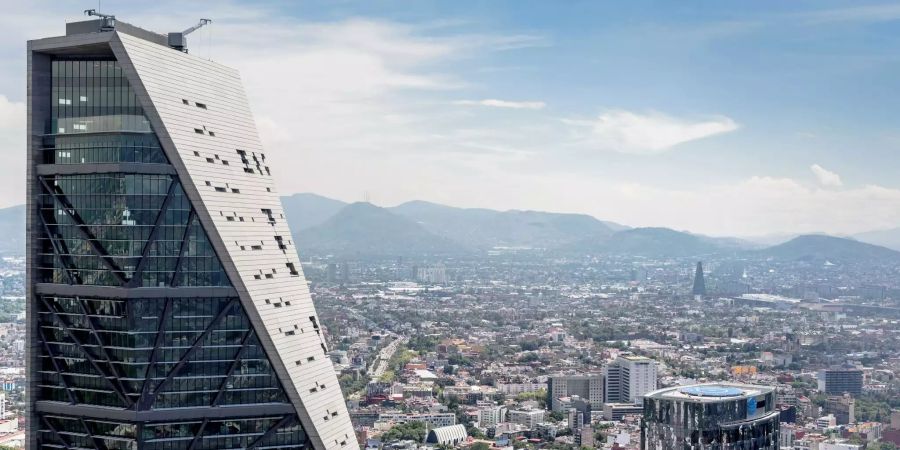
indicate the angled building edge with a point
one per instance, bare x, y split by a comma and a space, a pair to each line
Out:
167, 305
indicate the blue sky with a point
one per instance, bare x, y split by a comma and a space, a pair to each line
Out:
718, 117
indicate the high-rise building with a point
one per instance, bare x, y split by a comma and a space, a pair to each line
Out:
490, 416
839, 381
721, 416
628, 378
699, 281
166, 304
432, 274
588, 387
842, 407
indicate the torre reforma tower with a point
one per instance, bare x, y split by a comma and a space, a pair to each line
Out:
167, 308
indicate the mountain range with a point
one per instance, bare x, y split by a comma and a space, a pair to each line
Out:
324, 226
420, 228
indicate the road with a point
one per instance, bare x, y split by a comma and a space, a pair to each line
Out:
380, 364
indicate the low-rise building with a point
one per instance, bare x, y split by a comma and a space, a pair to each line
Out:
527, 417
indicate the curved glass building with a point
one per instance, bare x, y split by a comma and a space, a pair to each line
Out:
710, 416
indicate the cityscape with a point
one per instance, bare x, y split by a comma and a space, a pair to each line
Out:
161, 287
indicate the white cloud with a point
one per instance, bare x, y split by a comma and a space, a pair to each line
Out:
862, 13
757, 206
344, 105
826, 177
361, 105
502, 104
651, 133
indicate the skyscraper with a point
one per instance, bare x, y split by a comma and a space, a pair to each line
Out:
166, 304
699, 282
588, 387
628, 378
840, 380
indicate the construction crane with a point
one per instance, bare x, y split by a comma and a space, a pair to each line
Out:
109, 20
178, 41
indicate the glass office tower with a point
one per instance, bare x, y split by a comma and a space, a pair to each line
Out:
167, 308
714, 416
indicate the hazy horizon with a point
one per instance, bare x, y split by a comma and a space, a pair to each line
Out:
724, 119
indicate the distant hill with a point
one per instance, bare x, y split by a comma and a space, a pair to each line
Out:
307, 210
12, 228
366, 230
485, 228
662, 242
885, 238
615, 226
820, 248
327, 226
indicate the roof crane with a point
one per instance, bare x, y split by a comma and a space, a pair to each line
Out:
108, 20
178, 41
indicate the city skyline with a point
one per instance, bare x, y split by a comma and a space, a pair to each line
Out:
511, 225
645, 115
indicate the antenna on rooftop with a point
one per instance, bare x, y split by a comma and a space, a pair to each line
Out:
178, 40
109, 20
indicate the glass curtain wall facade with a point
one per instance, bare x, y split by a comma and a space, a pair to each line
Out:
683, 422
111, 212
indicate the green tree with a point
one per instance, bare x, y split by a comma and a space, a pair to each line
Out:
414, 431
475, 432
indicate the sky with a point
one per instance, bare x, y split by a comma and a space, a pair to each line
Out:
726, 118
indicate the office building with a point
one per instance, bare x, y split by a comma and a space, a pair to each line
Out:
589, 387
839, 381
618, 411
628, 378
490, 416
166, 304
528, 417
584, 437
575, 418
432, 274
827, 421
435, 419
842, 407
710, 416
